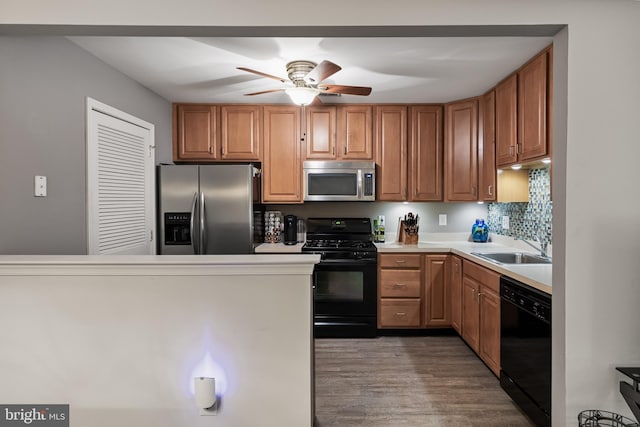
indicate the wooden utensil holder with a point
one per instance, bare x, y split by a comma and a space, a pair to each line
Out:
406, 238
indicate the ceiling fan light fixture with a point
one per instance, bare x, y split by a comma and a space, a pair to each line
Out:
302, 95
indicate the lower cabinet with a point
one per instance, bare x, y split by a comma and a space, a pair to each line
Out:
439, 291
456, 293
414, 291
481, 312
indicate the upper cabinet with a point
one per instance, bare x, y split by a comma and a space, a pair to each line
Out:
425, 153
523, 109
282, 168
195, 132
391, 152
321, 132
205, 132
240, 132
507, 121
355, 140
341, 132
487, 148
461, 150
533, 104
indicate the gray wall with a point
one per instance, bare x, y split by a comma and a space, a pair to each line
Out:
43, 85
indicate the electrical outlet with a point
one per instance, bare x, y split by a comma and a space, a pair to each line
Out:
442, 219
40, 186
505, 222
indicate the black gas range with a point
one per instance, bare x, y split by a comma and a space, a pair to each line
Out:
345, 280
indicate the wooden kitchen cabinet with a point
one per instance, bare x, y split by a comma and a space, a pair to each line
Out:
456, 293
533, 108
523, 118
240, 132
481, 313
461, 150
487, 148
437, 292
320, 135
425, 153
282, 165
391, 152
354, 136
399, 290
507, 121
195, 132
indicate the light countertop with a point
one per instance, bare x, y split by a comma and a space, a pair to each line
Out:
538, 276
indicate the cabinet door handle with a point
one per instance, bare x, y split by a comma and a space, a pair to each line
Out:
490, 189
473, 190
333, 151
399, 285
511, 150
401, 313
479, 293
345, 149
400, 261
210, 150
222, 150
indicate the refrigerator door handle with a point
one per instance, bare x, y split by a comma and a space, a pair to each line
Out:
203, 226
192, 223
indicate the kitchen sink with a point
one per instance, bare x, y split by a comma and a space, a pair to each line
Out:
513, 258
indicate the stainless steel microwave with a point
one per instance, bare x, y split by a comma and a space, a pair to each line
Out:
330, 180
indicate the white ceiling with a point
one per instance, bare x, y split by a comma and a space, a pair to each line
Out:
399, 69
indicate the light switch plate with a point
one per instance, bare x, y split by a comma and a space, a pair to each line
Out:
40, 186
505, 222
442, 219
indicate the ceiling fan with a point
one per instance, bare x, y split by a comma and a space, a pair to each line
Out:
307, 77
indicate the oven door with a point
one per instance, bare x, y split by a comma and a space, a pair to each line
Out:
345, 298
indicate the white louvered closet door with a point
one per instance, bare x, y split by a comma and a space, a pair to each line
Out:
120, 182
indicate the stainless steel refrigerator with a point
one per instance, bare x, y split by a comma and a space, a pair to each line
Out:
206, 209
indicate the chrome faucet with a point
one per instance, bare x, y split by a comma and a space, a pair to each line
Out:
542, 243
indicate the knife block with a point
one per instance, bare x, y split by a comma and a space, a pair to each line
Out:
406, 238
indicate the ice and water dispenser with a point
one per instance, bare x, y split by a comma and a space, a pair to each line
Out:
177, 228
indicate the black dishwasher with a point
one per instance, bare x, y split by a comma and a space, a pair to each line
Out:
525, 348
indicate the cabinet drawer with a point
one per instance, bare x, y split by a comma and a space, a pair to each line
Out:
400, 312
487, 277
400, 261
400, 283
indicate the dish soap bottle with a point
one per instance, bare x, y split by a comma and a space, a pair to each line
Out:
381, 228
480, 231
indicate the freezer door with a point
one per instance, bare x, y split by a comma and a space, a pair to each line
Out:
177, 194
227, 193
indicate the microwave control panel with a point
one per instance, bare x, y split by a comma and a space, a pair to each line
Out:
368, 184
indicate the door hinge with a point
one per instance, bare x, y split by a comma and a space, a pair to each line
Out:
151, 148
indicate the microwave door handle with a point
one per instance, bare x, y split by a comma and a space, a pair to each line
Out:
359, 190
192, 224
203, 226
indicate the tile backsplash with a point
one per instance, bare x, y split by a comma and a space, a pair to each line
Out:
526, 220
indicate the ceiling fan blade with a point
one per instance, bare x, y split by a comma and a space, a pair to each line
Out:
347, 90
260, 73
263, 92
316, 101
322, 71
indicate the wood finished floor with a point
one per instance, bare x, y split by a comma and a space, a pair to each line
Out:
407, 381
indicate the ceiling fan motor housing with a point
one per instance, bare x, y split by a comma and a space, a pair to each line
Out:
297, 70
